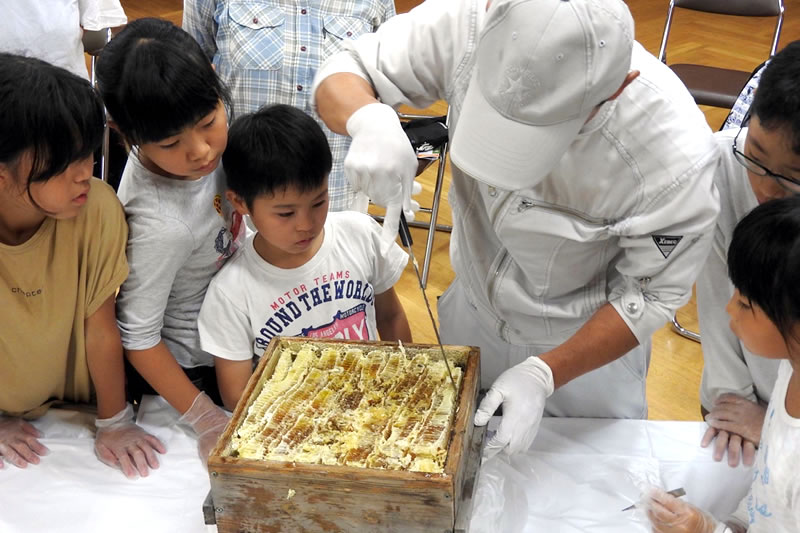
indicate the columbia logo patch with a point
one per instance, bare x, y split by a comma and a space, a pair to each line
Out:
666, 243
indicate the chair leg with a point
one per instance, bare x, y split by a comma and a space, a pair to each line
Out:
104, 147
683, 332
104, 157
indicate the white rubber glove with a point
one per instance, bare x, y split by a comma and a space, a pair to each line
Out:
381, 162
208, 420
120, 443
522, 389
19, 444
668, 514
734, 426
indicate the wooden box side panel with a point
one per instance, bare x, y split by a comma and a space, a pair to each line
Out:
301, 505
463, 426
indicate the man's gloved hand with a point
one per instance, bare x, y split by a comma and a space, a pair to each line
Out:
734, 425
120, 443
381, 162
208, 420
668, 514
522, 389
19, 444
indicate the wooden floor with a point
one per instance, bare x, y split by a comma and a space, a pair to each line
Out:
676, 363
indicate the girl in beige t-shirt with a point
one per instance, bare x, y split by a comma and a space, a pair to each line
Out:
62, 258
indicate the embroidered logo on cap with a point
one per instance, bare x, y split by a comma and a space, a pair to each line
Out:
666, 243
518, 87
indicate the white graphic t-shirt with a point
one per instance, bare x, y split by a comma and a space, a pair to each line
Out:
772, 504
332, 296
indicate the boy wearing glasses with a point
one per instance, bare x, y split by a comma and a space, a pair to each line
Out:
758, 162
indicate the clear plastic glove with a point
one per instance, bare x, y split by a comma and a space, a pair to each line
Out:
19, 444
120, 443
522, 389
380, 162
208, 420
668, 514
734, 426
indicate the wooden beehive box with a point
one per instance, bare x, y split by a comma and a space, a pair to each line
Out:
276, 496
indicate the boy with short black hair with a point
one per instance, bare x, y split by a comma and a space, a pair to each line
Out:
305, 272
757, 163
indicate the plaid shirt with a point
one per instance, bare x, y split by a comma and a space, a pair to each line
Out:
268, 51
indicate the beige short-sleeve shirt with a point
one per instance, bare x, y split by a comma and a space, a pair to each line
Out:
49, 285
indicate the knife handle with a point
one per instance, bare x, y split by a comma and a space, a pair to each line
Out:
405, 233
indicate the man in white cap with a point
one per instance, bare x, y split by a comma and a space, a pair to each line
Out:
582, 194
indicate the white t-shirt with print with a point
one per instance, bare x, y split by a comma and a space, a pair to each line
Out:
773, 503
251, 301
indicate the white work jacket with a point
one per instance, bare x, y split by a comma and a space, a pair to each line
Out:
626, 216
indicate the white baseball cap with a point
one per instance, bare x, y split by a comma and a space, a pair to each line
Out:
542, 66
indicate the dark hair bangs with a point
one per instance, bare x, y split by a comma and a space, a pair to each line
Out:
764, 260
277, 147
162, 92
71, 131
156, 81
52, 113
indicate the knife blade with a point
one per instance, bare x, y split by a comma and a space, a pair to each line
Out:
674, 492
405, 237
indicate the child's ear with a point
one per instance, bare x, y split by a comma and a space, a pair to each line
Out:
237, 202
9, 173
5, 174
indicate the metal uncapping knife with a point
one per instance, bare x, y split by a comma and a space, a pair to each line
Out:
405, 237
674, 492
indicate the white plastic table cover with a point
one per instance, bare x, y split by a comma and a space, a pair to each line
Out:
577, 477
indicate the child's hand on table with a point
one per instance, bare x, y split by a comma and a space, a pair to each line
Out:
19, 444
120, 443
734, 425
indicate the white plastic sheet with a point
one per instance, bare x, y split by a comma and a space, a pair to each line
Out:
71, 491
581, 473
578, 476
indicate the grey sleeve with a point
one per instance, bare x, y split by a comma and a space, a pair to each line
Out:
724, 366
412, 58
157, 249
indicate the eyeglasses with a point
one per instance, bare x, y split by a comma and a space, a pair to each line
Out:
790, 184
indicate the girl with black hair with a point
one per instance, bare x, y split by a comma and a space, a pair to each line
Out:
165, 99
62, 258
764, 311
